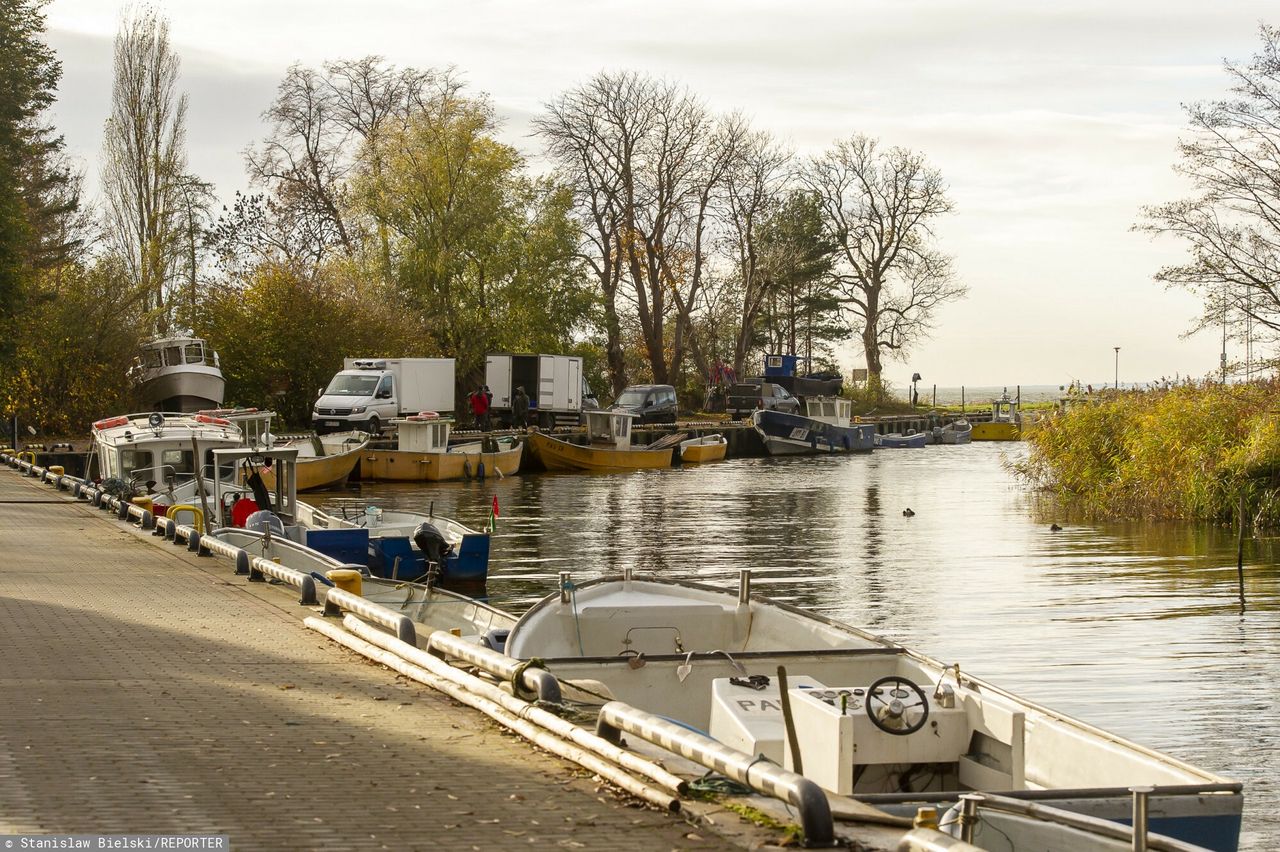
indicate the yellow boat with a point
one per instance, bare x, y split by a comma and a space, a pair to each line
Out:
610, 449
707, 448
1005, 423
423, 454
325, 461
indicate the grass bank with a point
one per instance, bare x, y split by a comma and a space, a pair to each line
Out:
1188, 452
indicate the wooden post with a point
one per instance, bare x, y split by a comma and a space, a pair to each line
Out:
935, 396
1240, 551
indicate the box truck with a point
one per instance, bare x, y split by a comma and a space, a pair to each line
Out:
370, 392
557, 390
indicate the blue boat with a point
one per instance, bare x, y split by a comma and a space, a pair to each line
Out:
826, 427
897, 440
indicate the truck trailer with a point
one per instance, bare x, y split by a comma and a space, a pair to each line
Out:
557, 390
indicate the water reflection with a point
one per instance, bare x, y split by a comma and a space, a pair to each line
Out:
1134, 627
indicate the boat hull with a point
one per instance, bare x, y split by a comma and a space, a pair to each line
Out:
405, 466
327, 471
901, 442
699, 451
999, 431
794, 434
561, 455
187, 389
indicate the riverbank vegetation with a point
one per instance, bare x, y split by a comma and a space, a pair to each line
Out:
382, 213
1190, 452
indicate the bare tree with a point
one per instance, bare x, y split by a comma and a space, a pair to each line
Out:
646, 160
879, 207
144, 158
1231, 225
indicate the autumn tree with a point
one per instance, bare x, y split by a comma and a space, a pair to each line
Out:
1230, 225
879, 206
148, 191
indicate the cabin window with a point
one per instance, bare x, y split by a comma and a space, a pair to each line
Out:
181, 461
136, 460
624, 426
195, 353
829, 409
151, 359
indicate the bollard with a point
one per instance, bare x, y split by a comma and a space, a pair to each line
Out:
969, 815
242, 562
193, 542
148, 521
347, 579
171, 530
122, 513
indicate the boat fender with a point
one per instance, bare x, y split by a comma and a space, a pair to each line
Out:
496, 639
847, 445
263, 521
423, 415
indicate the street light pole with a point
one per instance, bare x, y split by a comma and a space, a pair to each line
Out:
1117, 384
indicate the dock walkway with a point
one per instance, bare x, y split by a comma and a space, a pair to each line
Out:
146, 690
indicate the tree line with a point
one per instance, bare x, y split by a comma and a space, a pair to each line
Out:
383, 214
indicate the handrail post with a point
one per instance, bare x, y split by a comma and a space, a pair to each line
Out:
1141, 801
969, 815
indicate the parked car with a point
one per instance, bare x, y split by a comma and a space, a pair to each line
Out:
746, 398
651, 403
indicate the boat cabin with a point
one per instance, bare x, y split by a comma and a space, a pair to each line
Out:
829, 409
236, 495
610, 428
427, 432
174, 352
159, 448
254, 425
1004, 410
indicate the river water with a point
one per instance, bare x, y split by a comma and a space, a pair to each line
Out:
1137, 628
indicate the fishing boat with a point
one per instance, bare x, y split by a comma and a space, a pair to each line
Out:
324, 461
163, 457
608, 448
860, 716
826, 427
423, 454
1005, 423
956, 432
177, 373
900, 440
706, 448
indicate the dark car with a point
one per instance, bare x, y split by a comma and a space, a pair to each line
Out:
651, 403
746, 398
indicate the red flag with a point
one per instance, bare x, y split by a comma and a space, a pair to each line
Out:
495, 505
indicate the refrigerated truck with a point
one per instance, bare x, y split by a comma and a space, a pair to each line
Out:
557, 390
368, 393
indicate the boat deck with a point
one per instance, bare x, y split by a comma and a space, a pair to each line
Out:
145, 690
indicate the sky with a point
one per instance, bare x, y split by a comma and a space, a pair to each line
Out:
1052, 123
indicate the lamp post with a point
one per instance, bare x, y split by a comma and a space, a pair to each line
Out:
1117, 383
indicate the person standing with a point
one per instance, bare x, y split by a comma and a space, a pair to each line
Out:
480, 409
520, 408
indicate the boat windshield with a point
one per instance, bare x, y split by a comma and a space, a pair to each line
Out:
349, 385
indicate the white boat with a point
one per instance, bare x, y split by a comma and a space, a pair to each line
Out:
956, 432
871, 720
178, 373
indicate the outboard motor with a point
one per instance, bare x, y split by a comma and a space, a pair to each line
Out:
433, 545
264, 521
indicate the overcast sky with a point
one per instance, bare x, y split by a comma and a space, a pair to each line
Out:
1052, 122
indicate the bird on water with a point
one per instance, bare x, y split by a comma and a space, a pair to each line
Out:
1055, 528
907, 513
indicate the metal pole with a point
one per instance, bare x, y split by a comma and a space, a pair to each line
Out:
962, 399
1117, 381
1140, 795
969, 815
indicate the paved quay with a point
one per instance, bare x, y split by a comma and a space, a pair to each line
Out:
146, 690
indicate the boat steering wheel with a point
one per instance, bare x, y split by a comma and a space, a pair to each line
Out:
887, 709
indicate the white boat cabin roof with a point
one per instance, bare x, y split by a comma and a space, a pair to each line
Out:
158, 445
426, 432
176, 352
610, 427
829, 409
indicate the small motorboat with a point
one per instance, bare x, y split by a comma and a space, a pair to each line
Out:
869, 720
826, 427
900, 440
324, 461
956, 432
1005, 423
707, 448
423, 454
608, 448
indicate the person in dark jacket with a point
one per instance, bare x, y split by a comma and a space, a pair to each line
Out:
520, 408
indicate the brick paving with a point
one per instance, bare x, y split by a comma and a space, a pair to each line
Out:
145, 690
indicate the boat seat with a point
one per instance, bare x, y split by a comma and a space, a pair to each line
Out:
610, 630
